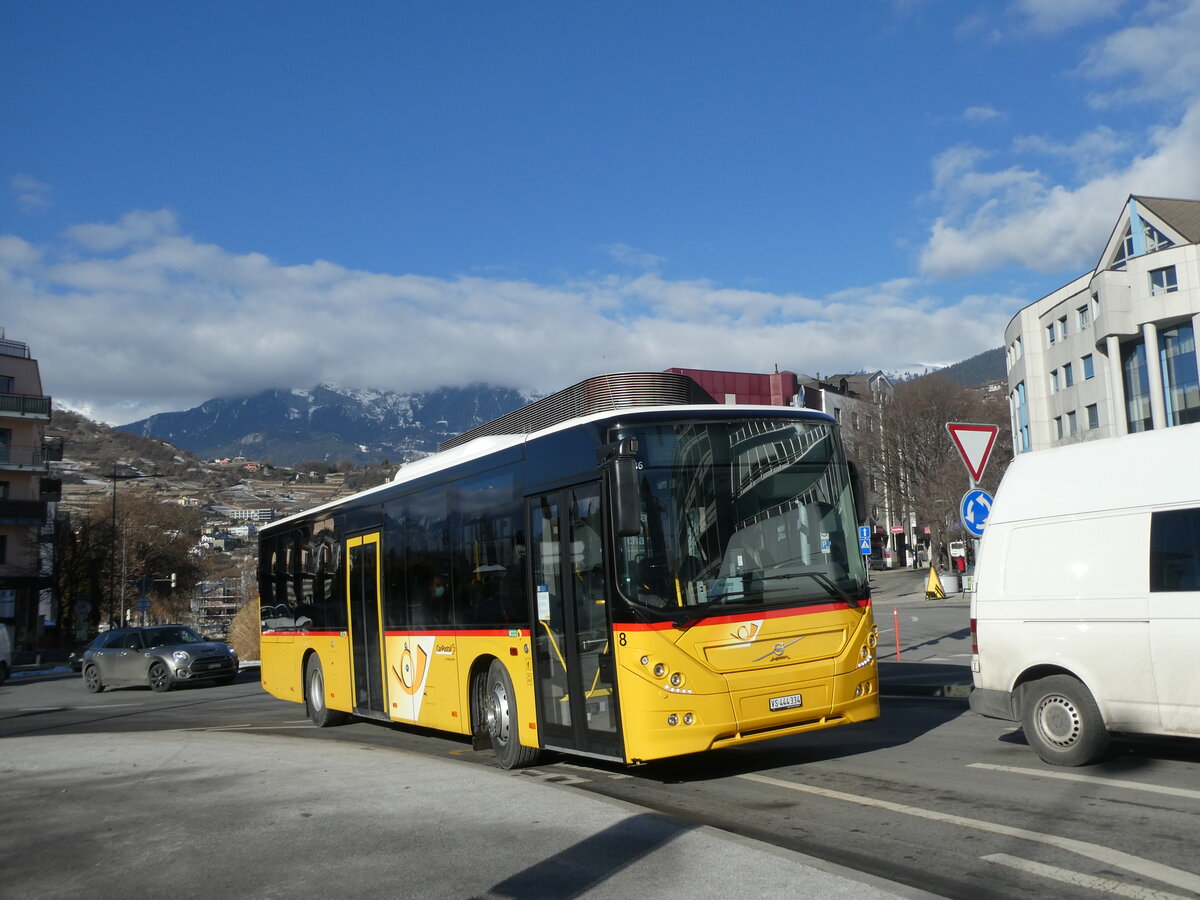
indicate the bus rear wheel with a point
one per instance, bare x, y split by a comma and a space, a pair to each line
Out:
314, 696
500, 714
1062, 722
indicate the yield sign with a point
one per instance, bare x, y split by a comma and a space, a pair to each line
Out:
974, 443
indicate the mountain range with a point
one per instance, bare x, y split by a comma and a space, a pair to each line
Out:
329, 423
334, 424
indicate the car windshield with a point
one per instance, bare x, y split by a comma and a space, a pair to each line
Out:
161, 637
748, 513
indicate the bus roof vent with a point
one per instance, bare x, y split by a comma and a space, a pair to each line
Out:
599, 393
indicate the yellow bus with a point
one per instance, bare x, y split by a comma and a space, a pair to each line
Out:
624, 570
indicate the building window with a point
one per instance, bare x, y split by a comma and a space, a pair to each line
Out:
1068, 375
6, 384
3, 549
1072, 423
1058, 427
1181, 382
1163, 281
1089, 369
1050, 334
1093, 416
1155, 239
1062, 328
1020, 419
1083, 317
1054, 382
1137, 387
1095, 306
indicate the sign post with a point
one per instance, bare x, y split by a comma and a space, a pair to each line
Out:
974, 443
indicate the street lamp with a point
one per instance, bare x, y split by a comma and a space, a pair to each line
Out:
112, 552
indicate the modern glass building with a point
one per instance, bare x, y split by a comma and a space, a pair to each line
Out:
1114, 351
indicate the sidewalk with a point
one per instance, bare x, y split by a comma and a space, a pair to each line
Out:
268, 816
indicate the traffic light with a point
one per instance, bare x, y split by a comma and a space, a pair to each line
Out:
172, 581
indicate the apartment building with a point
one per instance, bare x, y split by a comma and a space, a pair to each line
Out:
1113, 351
26, 492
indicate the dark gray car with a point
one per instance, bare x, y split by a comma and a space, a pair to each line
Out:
160, 656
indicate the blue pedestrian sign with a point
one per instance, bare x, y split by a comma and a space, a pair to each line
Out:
976, 507
864, 540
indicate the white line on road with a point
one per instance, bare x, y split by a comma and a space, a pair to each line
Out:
1092, 779
1158, 871
1079, 879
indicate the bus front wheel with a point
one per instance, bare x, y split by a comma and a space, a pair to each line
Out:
1062, 722
314, 696
500, 714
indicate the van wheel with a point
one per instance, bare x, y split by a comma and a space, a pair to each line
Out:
1062, 722
314, 696
503, 724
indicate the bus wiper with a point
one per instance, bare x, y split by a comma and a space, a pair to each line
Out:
822, 579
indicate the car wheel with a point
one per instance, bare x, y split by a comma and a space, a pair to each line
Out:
500, 713
314, 696
160, 677
91, 679
1062, 722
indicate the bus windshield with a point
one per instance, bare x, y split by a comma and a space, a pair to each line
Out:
748, 513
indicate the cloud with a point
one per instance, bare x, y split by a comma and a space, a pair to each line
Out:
1047, 203
135, 228
980, 115
1053, 16
31, 195
1150, 61
1020, 217
633, 257
137, 317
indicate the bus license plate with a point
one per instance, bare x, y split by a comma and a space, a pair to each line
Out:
792, 701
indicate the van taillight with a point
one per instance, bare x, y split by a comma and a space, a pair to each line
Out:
974, 637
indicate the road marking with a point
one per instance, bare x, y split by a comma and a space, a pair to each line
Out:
1092, 779
1078, 879
1158, 871
256, 727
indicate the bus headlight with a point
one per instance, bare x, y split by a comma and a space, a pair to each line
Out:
672, 720
676, 679
659, 670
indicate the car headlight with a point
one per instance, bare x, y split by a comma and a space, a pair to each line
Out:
181, 656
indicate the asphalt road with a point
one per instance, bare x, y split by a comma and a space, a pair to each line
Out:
233, 792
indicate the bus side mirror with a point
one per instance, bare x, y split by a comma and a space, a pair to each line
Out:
620, 460
860, 497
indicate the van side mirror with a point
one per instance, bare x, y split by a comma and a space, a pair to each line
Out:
619, 461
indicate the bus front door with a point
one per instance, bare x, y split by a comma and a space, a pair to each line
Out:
366, 624
573, 659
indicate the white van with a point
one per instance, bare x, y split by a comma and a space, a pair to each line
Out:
1086, 612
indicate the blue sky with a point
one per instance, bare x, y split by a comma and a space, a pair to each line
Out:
211, 199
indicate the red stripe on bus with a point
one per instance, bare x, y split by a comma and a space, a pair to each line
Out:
740, 617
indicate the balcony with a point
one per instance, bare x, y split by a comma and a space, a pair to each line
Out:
50, 490
25, 406
22, 512
16, 458
14, 348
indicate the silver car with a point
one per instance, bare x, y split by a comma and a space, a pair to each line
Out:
161, 656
